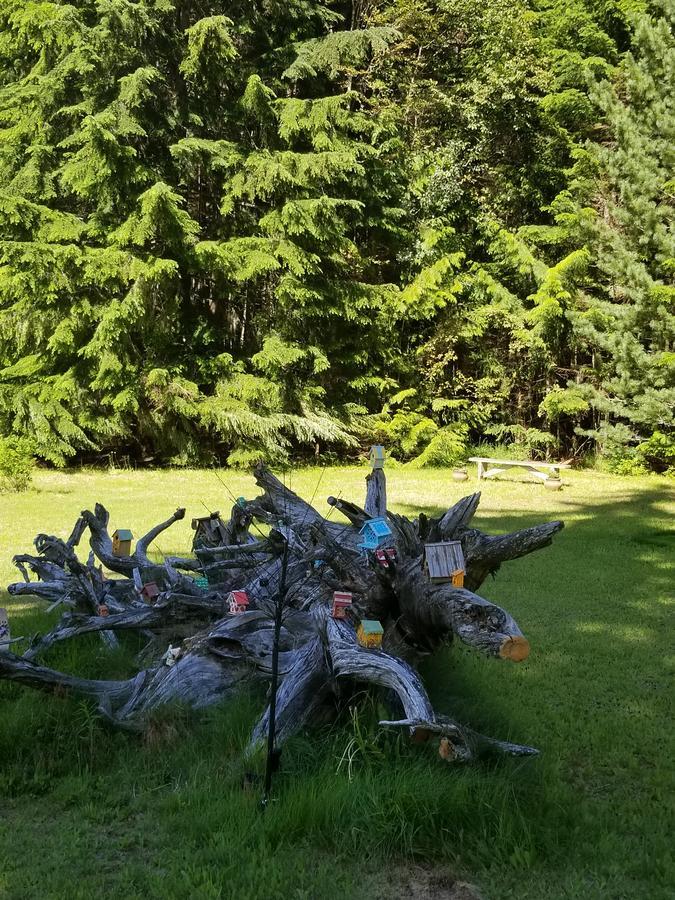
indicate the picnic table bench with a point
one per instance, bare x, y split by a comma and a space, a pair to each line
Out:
487, 467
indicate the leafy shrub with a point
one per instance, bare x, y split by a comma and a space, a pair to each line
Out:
16, 463
569, 401
446, 448
658, 452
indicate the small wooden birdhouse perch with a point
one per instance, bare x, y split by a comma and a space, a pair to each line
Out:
444, 563
377, 457
369, 633
373, 533
342, 601
121, 541
238, 601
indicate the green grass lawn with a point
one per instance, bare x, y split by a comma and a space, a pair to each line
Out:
87, 812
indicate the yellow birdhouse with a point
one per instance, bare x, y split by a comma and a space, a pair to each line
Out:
369, 633
121, 541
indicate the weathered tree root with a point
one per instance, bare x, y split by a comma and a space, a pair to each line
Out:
320, 656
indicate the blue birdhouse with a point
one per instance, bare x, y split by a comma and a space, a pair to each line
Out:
373, 533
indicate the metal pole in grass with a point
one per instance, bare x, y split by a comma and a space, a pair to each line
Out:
272, 754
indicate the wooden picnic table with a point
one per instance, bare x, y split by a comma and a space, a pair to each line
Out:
487, 467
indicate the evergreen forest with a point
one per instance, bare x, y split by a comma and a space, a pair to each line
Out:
244, 230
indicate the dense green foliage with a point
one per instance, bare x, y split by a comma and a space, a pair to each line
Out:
239, 229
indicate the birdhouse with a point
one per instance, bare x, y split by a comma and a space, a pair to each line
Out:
385, 555
202, 582
5, 637
102, 610
238, 601
342, 601
121, 541
241, 501
444, 563
377, 457
210, 531
150, 592
369, 633
373, 533
171, 656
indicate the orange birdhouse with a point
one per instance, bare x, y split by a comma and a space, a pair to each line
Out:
342, 601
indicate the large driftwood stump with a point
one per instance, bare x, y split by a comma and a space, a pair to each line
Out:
320, 658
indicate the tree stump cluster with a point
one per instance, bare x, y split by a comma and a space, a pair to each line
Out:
199, 653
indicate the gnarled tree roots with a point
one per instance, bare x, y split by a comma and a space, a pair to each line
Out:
320, 658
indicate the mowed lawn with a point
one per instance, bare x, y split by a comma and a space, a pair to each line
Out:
87, 812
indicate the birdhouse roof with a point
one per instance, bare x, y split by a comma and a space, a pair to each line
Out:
444, 559
123, 534
200, 520
240, 597
377, 527
342, 597
371, 626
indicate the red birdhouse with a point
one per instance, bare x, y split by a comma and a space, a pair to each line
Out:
150, 592
385, 555
342, 601
238, 601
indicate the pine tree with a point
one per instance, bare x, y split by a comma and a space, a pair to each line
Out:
622, 206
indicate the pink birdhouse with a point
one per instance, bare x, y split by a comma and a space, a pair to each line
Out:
238, 601
342, 601
150, 592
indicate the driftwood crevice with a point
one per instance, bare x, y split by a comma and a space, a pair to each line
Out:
320, 659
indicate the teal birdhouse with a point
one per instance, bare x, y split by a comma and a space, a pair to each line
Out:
373, 533
377, 456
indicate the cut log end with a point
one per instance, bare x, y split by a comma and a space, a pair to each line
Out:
515, 648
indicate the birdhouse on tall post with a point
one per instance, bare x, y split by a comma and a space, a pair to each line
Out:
5, 636
238, 601
210, 531
121, 541
369, 633
373, 533
444, 563
342, 601
377, 457
150, 591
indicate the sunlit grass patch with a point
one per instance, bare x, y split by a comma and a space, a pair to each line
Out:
88, 811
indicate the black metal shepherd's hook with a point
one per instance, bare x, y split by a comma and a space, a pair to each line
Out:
272, 753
